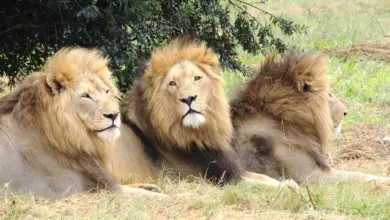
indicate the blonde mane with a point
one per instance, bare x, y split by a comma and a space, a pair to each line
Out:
218, 129
144, 108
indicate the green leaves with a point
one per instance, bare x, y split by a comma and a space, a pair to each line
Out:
127, 31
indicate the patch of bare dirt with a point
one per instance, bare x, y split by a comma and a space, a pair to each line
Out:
363, 148
367, 50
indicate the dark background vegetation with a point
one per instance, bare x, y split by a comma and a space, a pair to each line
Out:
128, 30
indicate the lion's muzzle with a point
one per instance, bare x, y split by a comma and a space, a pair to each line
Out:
191, 116
111, 131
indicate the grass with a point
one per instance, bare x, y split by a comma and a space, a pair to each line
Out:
362, 83
245, 200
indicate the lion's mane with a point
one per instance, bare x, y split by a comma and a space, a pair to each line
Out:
289, 95
162, 132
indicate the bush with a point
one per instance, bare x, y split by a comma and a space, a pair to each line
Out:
128, 30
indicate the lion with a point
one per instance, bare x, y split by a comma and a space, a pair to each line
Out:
286, 116
177, 120
337, 111
57, 129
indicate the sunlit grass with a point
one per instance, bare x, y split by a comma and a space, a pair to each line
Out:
346, 200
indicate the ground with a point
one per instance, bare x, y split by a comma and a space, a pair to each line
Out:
355, 34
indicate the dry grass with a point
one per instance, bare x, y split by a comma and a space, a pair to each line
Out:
362, 147
364, 51
206, 203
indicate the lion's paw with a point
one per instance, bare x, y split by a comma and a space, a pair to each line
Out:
149, 187
377, 179
289, 183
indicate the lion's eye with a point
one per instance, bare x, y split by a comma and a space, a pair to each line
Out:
330, 95
107, 92
86, 95
197, 78
172, 83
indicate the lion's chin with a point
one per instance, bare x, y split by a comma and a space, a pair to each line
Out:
109, 134
193, 120
337, 130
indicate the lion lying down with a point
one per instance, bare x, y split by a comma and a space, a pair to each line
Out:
285, 117
176, 119
57, 129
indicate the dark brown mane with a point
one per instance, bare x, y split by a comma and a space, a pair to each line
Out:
280, 75
293, 91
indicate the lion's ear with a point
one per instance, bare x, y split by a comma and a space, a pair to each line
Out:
309, 71
58, 82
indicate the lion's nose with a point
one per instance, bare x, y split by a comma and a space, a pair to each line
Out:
345, 113
188, 100
111, 116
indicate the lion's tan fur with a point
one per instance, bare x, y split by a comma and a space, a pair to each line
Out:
278, 91
45, 147
284, 122
337, 110
218, 129
160, 113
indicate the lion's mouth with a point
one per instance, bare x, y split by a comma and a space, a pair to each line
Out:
107, 128
337, 129
193, 119
191, 111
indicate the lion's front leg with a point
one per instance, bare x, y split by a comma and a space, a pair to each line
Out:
135, 190
336, 176
149, 187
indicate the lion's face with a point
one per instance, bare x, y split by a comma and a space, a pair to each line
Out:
338, 111
96, 106
187, 87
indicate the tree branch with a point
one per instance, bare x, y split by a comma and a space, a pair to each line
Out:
246, 12
254, 6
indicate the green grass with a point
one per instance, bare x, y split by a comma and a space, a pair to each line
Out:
335, 23
367, 81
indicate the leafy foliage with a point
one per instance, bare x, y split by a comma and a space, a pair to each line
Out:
128, 30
